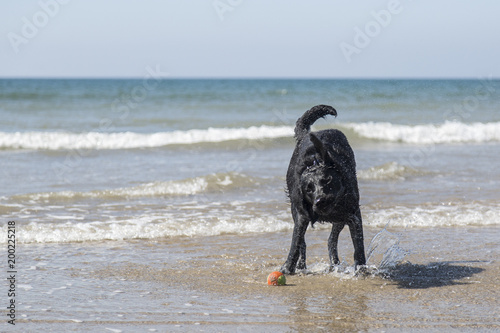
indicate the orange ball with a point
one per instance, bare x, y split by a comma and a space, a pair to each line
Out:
276, 279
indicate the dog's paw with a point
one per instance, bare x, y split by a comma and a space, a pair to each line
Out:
333, 268
361, 270
287, 270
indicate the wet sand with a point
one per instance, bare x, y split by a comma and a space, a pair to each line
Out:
448, 281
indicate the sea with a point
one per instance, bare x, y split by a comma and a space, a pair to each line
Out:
133, 199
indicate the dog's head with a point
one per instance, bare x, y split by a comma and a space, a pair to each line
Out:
321, 180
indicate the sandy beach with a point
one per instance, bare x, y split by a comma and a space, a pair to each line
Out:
448, 281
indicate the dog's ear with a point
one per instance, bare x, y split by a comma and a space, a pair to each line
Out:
320, 148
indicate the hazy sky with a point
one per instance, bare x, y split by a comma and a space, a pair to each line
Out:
250, 38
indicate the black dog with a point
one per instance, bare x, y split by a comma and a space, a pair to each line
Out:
322, 186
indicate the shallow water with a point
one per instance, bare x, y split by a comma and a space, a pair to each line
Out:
218, 283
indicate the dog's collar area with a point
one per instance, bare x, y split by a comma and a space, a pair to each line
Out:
315, 164
319, 166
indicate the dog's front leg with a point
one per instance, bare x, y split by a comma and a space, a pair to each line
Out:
356, 229
332, 243
297, 249
297, 256
301, 263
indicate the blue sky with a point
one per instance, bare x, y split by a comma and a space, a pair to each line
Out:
250, 38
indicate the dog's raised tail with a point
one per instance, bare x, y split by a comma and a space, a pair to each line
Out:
303, 125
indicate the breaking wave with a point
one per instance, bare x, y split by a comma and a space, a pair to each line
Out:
130, 140
448, 132
144, 227
435, 215
388, 171
189, 186
195, 220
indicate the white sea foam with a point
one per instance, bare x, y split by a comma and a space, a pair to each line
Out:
144, 227
388, 171
471, 214
182, 187
448, 132
225, 220
130, 140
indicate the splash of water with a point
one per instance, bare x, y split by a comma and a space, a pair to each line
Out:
384, 251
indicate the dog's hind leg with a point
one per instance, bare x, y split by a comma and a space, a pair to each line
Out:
356, 229
332, 243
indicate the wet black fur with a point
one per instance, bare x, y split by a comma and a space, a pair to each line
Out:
322, 187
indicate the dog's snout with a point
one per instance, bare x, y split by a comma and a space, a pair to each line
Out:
320, 202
